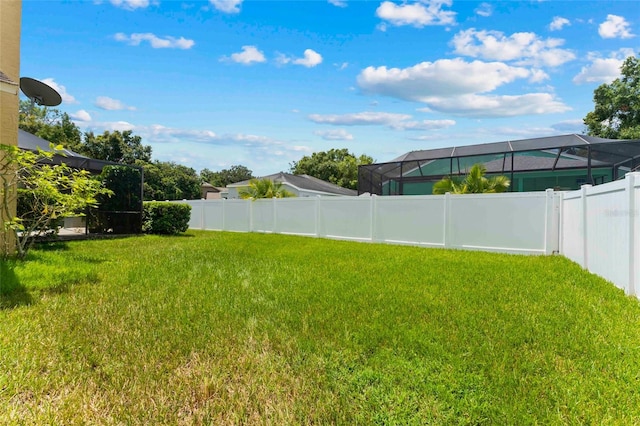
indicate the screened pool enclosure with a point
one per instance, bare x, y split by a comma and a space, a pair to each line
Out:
560, 162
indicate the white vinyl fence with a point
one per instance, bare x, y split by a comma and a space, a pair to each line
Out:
600, 230
597, 227
512, 222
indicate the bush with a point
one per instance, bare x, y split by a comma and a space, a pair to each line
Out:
25, 202
161, 217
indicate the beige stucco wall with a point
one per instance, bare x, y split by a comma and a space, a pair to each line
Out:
10, 17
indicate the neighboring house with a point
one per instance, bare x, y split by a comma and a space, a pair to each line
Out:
299, 185
210, 192
563, 162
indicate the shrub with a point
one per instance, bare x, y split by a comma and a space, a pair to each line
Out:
161, 217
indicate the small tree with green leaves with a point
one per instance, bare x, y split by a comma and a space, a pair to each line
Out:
264, 188
474, 183
50, 191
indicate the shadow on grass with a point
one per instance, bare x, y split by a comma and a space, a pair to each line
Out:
12, 293
51, 246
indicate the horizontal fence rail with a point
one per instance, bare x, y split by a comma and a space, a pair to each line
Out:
511, 222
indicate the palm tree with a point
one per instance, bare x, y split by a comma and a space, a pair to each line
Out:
475, 182
264, 188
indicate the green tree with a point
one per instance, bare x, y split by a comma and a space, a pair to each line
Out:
226, 176
120, 147
50, 124
617, 105
337, 166
50, 191
475, 182
170, 181
264, 188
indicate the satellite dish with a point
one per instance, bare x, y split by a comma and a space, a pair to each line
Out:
39, 92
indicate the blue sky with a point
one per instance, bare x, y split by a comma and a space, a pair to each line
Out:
211, 84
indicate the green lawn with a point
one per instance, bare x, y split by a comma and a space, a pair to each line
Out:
228, 328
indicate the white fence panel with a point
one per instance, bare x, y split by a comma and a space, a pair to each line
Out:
264, 218
571, 224
196, 219
237, 215
502, 222
410, 220
296, 216
213, 215
601, 230
607, 227
346, 217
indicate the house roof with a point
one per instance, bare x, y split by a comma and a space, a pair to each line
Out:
304, 182
209, 187
32, 142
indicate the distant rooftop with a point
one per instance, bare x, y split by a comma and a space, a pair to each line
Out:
304, 182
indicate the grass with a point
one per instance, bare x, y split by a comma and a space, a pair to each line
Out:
225, 328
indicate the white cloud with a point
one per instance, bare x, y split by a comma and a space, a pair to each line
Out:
227, 6
526, 48
159, 133
602, 70
110, 104
423, 125
112, 126
569, 126
311, 59
248, 56
81, 115
130, 4
392, 120
538, 76
66, 97
615, 27
338, 3
445, 77
558, 23
485, 10
334, 135
418, 14
359, 118
342, 66
457, 87
489, 106
156, 42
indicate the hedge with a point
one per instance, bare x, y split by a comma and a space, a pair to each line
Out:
162, 217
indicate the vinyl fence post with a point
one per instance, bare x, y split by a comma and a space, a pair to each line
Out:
561, 223
630, 179
549, 223
585, 226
